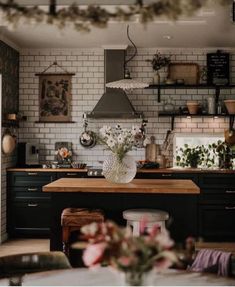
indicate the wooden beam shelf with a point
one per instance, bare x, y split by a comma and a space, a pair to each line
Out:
217, 88
174, 115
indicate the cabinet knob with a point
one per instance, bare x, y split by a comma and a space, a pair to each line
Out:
32, 173
230, 191
32, 189
230, 207
32, 204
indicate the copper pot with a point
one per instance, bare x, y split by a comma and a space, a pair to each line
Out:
229, 136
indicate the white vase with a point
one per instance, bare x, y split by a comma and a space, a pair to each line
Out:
119, 171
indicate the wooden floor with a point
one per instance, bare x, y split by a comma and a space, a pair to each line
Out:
16, 246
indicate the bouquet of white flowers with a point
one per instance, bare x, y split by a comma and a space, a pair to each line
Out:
118, 140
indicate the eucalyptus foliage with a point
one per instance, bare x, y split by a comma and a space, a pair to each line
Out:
82, 18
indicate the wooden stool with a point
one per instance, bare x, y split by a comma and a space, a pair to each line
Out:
152, 217
72, 219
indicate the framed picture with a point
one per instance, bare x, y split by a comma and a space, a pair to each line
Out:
55, 97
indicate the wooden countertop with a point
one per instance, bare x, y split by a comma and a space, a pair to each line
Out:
142, 170
101, 185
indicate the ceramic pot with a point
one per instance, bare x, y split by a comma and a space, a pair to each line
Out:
193, 107
230, 106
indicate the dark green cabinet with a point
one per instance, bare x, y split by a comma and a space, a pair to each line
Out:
28, 210
212, 213
217, 207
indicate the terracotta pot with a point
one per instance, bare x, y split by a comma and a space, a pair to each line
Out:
230, 106
193, 107
229, 136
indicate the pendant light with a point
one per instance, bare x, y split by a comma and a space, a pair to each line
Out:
128, 83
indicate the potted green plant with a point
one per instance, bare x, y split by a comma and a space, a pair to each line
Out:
190, 156
158, 61
224, 152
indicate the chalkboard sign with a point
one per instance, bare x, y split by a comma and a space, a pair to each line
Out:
218, 68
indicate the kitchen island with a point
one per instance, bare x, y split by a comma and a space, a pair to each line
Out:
178, 197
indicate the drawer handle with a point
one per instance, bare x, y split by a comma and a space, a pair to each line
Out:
230, 191
70, 173
32, 189
32, 173
166, 175
230, 207
32, 204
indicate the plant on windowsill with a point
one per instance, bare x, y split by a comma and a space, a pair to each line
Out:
224, 152
194, 156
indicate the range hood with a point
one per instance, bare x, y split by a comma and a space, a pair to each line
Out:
114, 103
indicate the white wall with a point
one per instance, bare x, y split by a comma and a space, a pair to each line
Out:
88, 86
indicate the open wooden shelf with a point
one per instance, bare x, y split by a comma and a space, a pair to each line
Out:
174, 115
217, 88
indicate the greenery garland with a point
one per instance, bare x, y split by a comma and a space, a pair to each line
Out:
94, 15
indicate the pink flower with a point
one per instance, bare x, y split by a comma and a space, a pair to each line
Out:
125, 261
155, 230
93, 254
143, 224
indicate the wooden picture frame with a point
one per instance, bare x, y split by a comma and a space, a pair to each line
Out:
55, 97
189, 72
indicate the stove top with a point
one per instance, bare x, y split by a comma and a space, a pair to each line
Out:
94, 171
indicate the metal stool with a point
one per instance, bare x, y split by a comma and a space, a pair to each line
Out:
72, 219
152, 217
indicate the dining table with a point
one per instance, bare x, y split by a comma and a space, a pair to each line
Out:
108, 276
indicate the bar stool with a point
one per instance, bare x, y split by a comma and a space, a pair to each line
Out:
152, 217
72, 219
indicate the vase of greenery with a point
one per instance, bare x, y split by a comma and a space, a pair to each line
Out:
158, 62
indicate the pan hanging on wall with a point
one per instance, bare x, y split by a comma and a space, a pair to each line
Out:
87, 138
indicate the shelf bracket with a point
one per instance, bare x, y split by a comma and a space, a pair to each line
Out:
172, 122
159, 95
217, 94
231, 122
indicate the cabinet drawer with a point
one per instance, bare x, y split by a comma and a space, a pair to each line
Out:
167, 176
226, 181
30, 179
213, 195
30, 217
217, 222
71, 174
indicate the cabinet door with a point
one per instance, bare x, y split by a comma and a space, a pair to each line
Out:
216, 222
30, 217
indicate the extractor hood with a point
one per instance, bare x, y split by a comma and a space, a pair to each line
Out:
114, 103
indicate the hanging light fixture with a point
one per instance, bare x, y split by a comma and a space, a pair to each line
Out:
128, 83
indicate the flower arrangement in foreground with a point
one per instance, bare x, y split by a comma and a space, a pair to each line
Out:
112, 245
